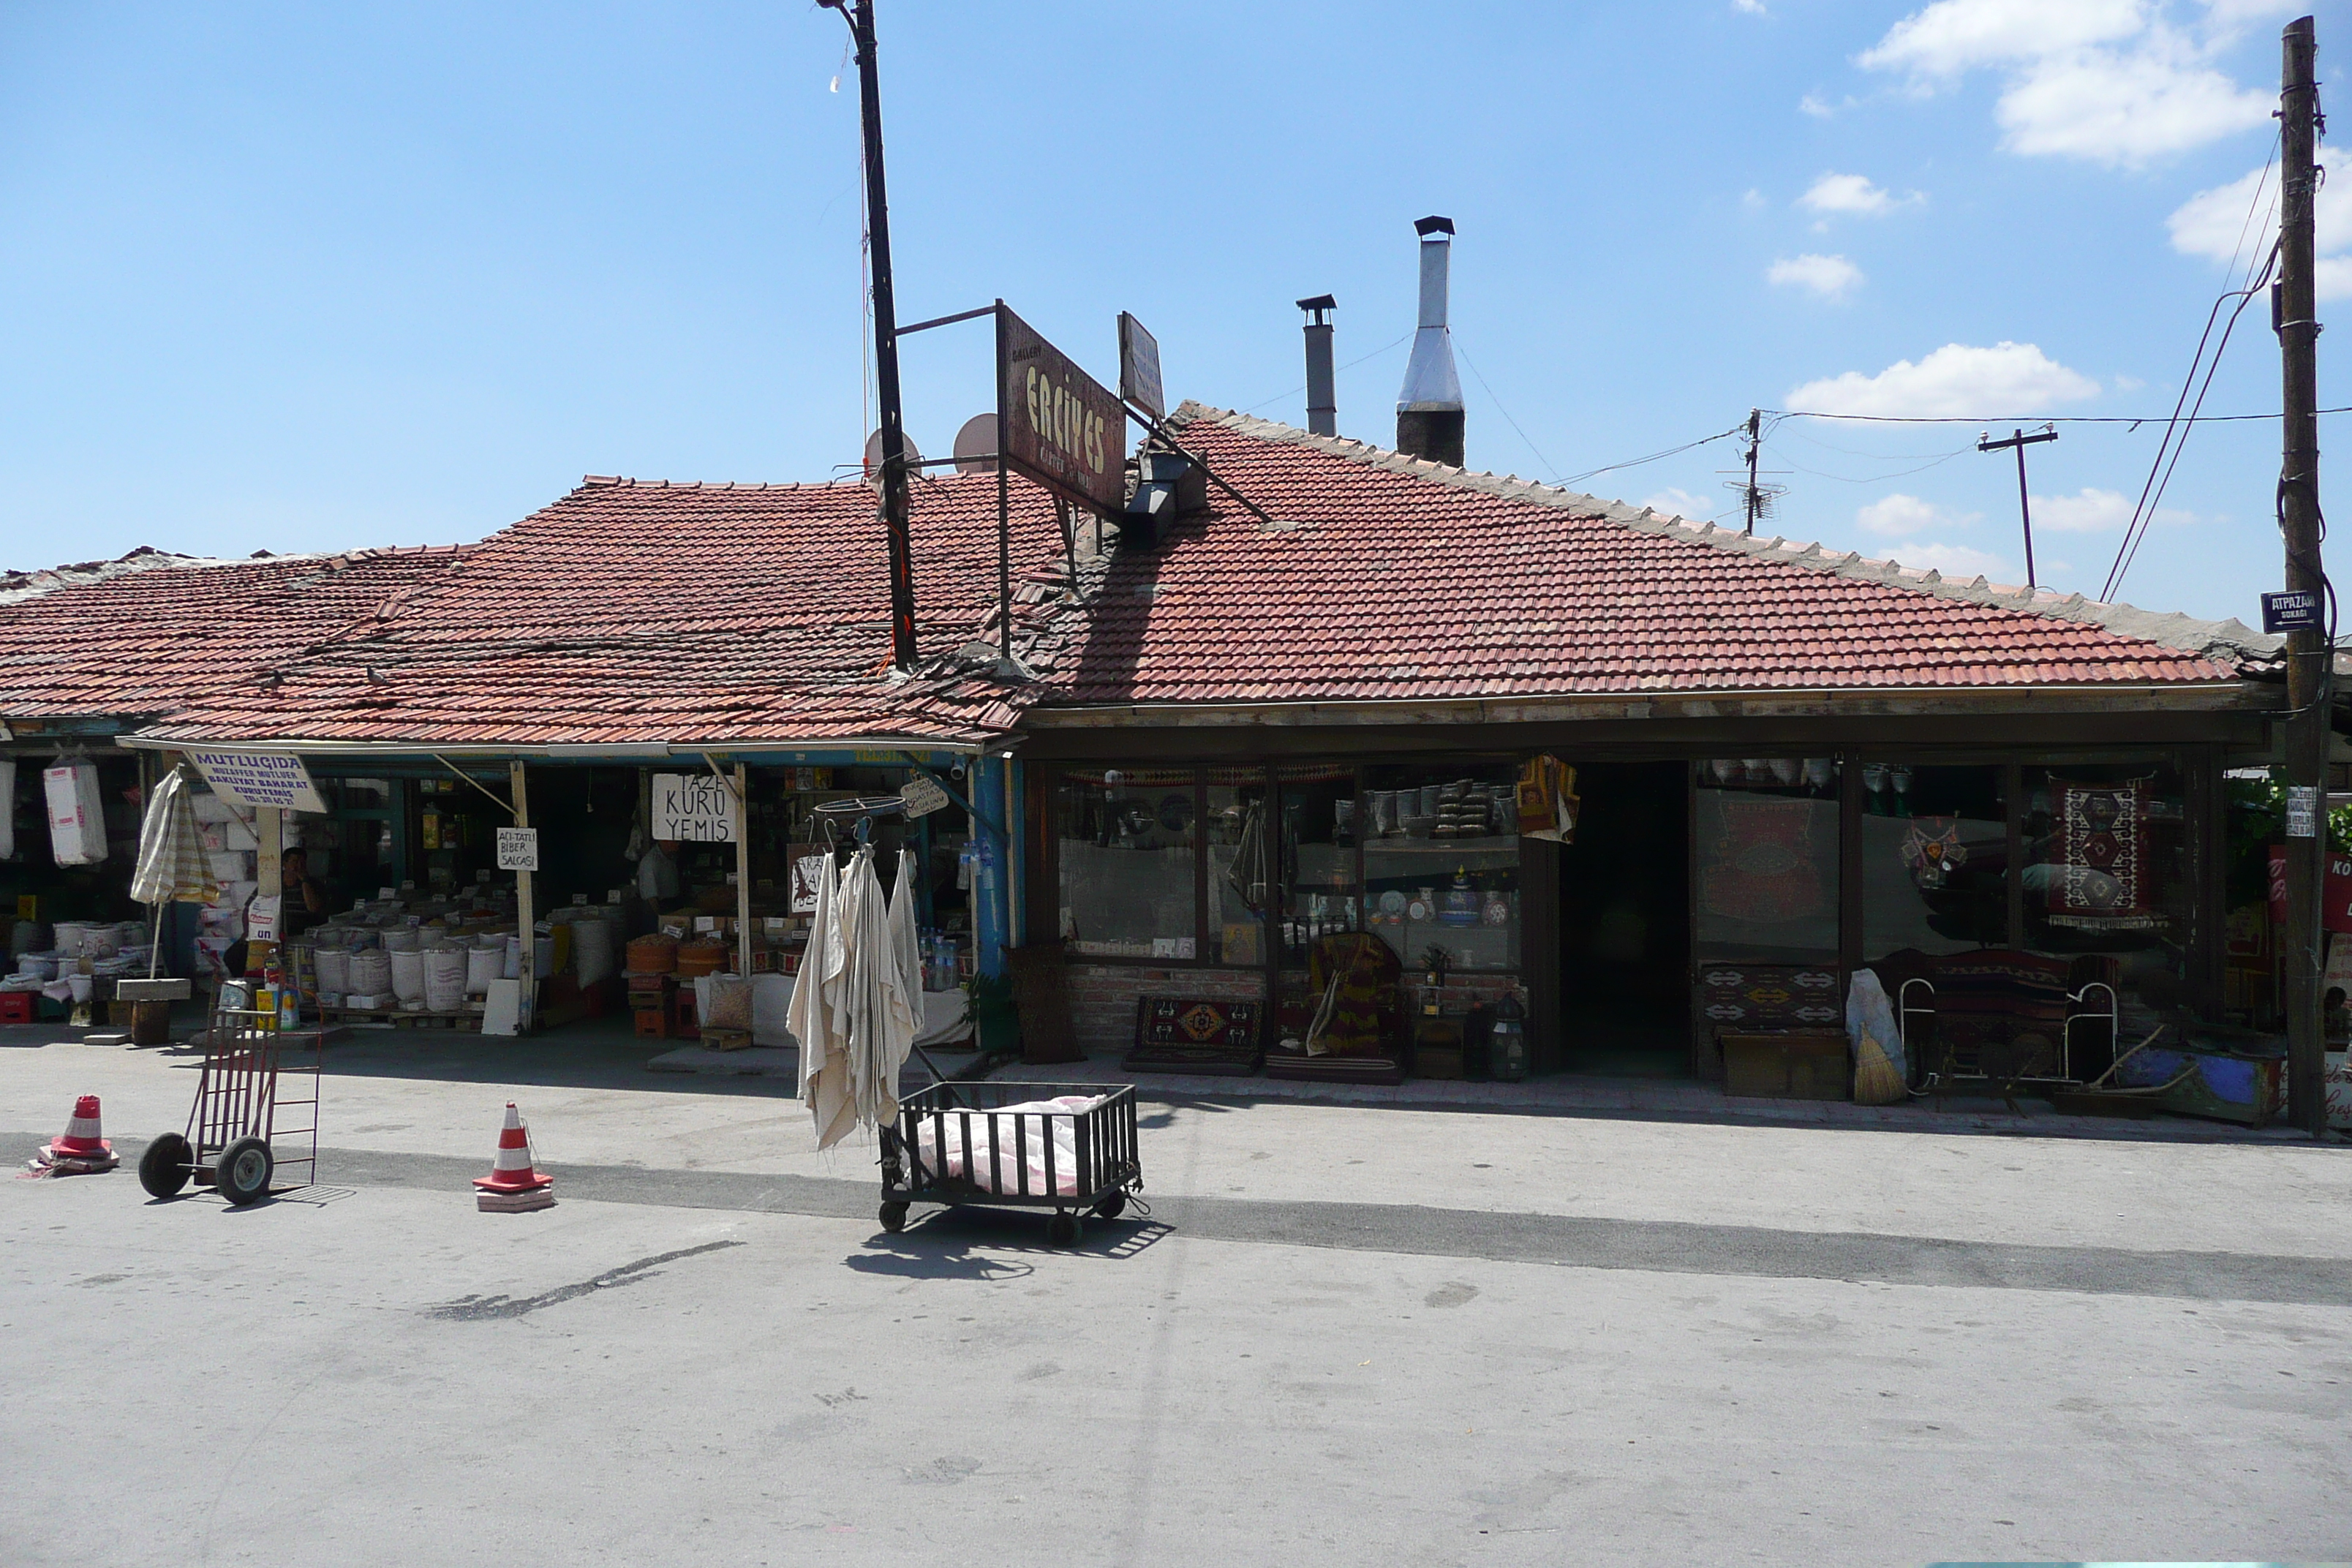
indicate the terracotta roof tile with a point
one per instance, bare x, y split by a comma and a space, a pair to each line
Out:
642, 611
1389, 579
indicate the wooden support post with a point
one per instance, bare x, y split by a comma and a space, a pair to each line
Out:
742, 870
270, 828
2311, 658
525, 916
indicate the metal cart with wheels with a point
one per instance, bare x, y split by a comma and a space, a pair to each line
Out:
956, 1143
234, 1143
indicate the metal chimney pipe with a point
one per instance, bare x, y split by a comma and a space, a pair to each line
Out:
1429, 407
1322, 410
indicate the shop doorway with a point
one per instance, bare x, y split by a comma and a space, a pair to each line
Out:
1624, 924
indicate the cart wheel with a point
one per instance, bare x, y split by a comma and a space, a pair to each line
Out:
894, 1217
1112, 1206
243, 1173
163, 1169
1064, 1229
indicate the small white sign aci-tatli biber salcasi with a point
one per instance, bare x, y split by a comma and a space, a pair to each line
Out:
518, 849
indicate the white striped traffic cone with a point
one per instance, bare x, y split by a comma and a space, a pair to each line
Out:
513, 1186
82, 1138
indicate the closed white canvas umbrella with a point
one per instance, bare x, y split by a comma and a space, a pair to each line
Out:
172, 865
879, 1015
825, 1087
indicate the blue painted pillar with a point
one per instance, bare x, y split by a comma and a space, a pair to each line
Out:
991, 879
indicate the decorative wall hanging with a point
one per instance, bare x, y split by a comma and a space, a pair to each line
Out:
1758, 859
1932, 849
2099, 873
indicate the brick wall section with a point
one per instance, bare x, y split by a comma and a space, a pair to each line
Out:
1103, 997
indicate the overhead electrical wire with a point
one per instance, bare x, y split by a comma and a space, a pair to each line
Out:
1302, 386
1506, 413
2176, 433
1739, 429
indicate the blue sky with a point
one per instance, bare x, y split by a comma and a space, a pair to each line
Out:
309, 276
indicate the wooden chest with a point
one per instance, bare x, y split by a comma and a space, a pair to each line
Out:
1796, 1065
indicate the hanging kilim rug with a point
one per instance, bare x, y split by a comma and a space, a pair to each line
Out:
1178, 1034
2100, 876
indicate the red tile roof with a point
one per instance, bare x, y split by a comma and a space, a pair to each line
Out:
637, 611
1385, 578
151, 634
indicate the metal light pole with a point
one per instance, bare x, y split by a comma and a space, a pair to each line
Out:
859, 14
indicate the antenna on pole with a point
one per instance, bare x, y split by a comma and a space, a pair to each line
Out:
2019, 440
1755, 498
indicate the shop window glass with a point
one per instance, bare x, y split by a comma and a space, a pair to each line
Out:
2107, 876
1316, 869
1765, 848
1128, 863
1935, 858
1239, 893
1442, 862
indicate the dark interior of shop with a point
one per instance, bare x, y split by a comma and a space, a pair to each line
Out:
1624, 924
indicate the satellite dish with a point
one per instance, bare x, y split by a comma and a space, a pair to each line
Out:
874, 454
975, 446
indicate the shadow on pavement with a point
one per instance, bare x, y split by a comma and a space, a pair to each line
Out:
943, 1243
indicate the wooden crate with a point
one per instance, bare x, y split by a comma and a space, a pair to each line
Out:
725, 1039
1794, 1065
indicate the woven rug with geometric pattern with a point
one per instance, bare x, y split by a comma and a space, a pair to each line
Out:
1179, 1033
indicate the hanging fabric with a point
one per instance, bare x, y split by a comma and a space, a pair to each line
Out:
171, 865
824, 1085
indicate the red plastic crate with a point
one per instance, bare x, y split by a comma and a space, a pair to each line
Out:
16, 1007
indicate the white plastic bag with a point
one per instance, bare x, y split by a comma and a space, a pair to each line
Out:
77, 813
1870, 1020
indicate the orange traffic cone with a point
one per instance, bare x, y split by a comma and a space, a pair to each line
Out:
513, 1186
81, 1149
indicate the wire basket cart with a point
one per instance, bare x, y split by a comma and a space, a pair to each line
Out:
255, 1082
1000, 1146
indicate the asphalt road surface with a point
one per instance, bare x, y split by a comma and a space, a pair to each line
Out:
1487, 1339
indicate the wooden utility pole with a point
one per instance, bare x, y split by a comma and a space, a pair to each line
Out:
2310, 654
2020, 441
859, 14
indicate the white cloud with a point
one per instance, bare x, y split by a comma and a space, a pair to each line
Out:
1753, 200
1675, 501
2106, 81
1827, 276
1957, 381
1749, 7
1813, 104
2092, 511
1954, 36
2125, 109
2095, 510
2237, 221
1899, 516
1960, 560
1852, 193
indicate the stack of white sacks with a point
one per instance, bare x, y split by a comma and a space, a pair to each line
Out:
231, 846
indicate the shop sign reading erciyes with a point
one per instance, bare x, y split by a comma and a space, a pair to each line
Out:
259, 778
1060, 425
693, 808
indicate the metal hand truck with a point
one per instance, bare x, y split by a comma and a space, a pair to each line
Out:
234, 1143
